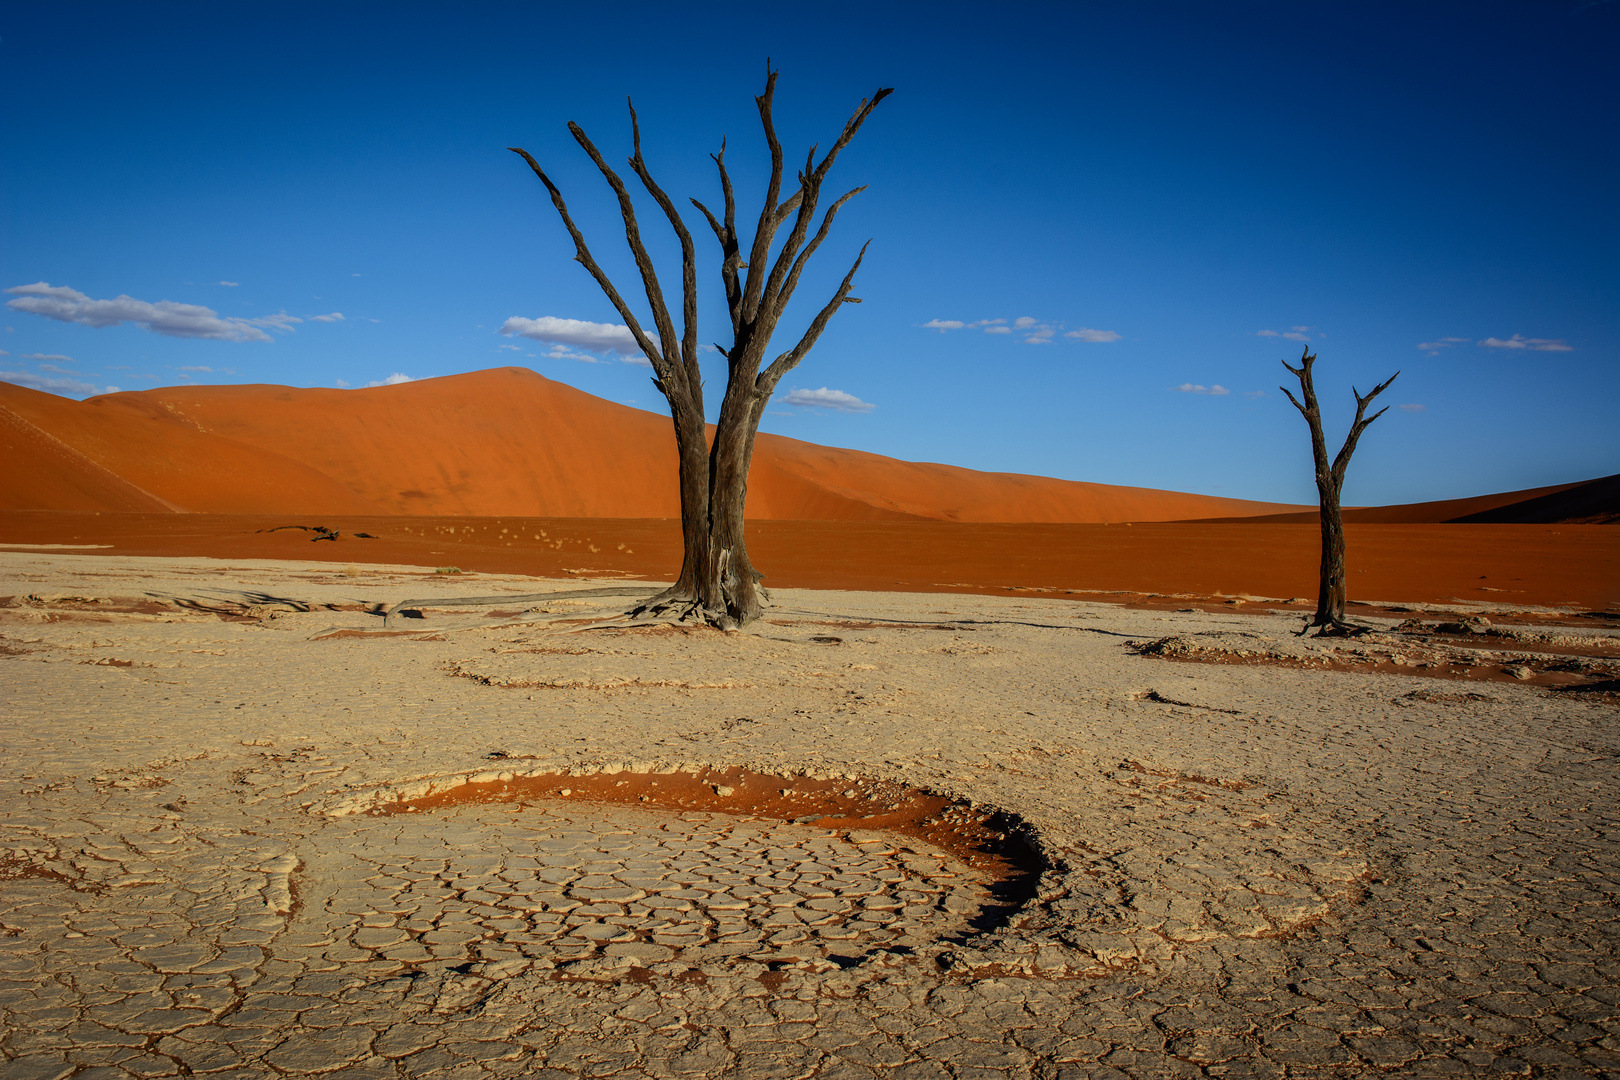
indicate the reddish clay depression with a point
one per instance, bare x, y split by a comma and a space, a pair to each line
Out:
601, 872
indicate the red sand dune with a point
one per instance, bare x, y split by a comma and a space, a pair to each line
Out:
510, 442
500, 442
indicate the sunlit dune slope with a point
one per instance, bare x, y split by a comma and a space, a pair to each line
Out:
134, 452
503, 441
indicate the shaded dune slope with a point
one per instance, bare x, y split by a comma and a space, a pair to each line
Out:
1594, 501
500, 442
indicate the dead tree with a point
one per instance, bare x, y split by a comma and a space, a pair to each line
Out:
718, 582
1330, 592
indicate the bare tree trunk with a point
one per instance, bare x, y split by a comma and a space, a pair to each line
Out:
717, 578
1331, 592
692, 447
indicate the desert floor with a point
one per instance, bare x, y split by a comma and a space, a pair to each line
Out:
884, 834
1549, 565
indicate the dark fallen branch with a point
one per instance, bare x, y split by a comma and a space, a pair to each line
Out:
321, 531
495, 601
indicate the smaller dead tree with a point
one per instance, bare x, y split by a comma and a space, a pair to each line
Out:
1331, 592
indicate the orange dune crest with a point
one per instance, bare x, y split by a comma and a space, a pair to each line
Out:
506, 441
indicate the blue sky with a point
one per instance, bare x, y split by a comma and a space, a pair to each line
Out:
1159, 201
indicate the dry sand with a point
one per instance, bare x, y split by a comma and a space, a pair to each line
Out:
1246, 869
1576, 566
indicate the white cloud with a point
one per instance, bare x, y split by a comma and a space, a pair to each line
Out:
824, 398
987, 324
1295, 334
943, 324
1085, 333
52, 357
393, 380
229, 284
1197, 388
58, 370
336, 316
1254, 394
998, 329
514, 348
1519, 341
50, 385
195, 367
164, 317
341, 384
1024, 322
592, 336
1414, 408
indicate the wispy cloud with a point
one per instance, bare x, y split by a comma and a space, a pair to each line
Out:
576, 333
1198, 388
336, 316
228, 284
1085, 333
1293, 333
1254, 395
164, 317
1519, 341
1433, 347
55, 384
196, 367
1414, 408
837, 400
393, 380
55, 358
1032, 331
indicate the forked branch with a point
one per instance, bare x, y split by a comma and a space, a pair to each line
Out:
688, 357
766, 383
644, 264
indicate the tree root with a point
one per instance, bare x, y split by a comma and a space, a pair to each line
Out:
1331, 627
677, 605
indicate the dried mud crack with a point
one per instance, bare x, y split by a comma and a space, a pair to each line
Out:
250, 853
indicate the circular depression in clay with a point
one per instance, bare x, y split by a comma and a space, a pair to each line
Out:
612, 872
